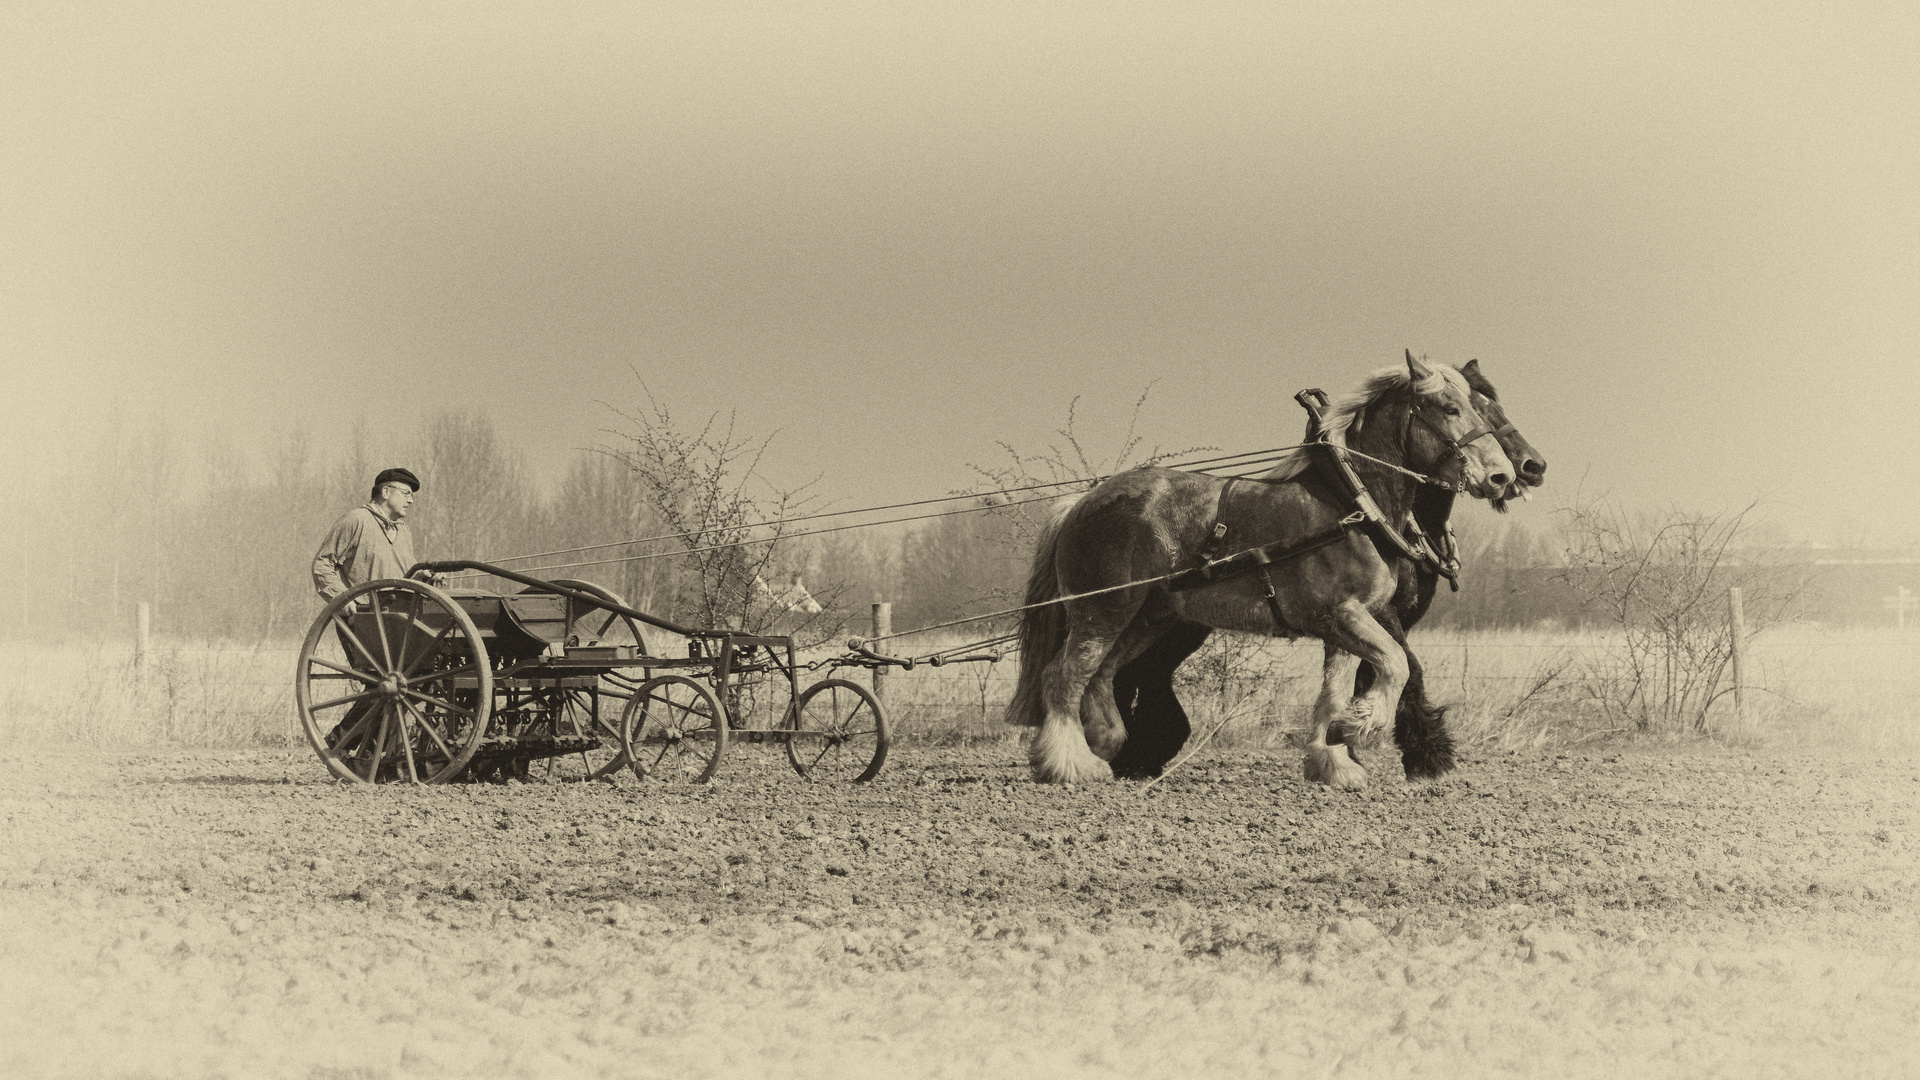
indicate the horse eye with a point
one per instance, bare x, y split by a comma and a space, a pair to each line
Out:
1453, 410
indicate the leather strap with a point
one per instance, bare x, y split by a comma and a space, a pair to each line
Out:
1217, 539
1333, 460
1258, 559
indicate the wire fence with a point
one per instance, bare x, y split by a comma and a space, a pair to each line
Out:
227, 694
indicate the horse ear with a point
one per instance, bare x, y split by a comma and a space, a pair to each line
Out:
1417, 369
1472, 370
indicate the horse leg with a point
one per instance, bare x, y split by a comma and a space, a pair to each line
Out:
1419, 726
1060, 753
1101, 717
1363, 678
1337, 735
1354, 632
1101, 722
1157, 725
1330, 761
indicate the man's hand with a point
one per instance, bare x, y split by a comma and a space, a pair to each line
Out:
438, 581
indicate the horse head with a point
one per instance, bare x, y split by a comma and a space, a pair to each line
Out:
1446, 435
1529, 464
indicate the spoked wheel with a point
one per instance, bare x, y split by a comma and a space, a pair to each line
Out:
673, 731
598, 625
839, 732
573, 712
394, 684
573, 719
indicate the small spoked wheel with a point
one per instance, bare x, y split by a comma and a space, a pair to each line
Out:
673, 731
839, 732
394, 684
574, 717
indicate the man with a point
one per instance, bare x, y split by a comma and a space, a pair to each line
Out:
371, 541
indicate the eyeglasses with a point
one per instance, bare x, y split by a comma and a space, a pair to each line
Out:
397, 489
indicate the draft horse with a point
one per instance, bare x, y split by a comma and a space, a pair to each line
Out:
1141, 554
1157, 725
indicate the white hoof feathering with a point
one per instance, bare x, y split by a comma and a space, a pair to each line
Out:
1334, 767
1065, 759
1358, 719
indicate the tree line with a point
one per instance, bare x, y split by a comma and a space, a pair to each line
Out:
220, 543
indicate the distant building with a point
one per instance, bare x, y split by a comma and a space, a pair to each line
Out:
793, 597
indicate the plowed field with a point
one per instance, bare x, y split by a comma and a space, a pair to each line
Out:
1688, 912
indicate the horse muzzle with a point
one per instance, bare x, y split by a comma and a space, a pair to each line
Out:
1489, 475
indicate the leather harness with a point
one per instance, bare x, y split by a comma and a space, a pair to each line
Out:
1333, 463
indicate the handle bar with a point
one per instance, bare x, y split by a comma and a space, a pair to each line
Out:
452, 566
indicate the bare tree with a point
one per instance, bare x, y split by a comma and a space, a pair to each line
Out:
1661, 579
474, 490
598, 502
729, 521
351, 477
958, 565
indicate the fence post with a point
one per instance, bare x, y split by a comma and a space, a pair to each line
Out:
1737, 629
142, 638
882, 627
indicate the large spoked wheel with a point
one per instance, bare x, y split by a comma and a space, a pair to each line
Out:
839, 732
598, 625
574, 712
394, 684
577, 719
673, 731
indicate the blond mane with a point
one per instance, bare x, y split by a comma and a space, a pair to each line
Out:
1346, 414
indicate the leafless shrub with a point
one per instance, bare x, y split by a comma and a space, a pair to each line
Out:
1066, 466
728, 520
1662, 580
1233, 677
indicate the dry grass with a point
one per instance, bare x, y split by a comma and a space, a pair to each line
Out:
1835, 688
201, 695
1505, 690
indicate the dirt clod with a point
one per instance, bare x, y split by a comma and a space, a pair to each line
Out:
955, 917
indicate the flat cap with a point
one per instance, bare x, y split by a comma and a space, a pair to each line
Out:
388, 476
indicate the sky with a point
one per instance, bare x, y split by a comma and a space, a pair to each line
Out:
1683, 240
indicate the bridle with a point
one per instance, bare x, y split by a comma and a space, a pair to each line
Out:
1453, 452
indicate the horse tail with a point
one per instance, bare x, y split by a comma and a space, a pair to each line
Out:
1043, 629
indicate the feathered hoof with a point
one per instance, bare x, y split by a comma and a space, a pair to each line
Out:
1428, 774
1330, 765
1056, 761
1425, 767
1096, 772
